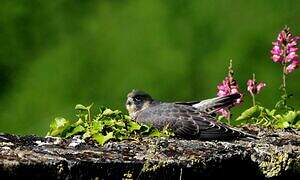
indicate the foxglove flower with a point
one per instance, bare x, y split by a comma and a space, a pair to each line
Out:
294, 65
285, 50
228, 86
253, 87
224, 112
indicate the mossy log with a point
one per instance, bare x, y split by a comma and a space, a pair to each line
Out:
275, 155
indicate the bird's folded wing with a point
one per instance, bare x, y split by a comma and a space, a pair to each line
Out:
190, 103
204, 127
210, 106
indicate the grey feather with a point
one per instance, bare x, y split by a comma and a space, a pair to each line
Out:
212, 105
187, 122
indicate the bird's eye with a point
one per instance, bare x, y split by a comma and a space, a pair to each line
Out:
138, 99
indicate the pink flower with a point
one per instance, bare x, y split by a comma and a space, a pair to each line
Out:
294, 65
260, 86
285, 49
250, 85
276, 53
253, 87
226, 87
225, 112
291, 56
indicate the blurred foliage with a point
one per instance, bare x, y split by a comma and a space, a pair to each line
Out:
54, 54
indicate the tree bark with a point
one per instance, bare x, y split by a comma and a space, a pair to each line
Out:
275, 155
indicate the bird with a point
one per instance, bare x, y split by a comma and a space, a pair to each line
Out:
188, 120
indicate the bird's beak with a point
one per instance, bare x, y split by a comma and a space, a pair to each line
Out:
128, 102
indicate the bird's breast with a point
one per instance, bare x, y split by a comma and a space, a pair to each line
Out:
158, 116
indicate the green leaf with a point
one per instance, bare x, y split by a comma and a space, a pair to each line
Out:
97, 126
279, 104
101, 139
127, 117
297, 125
107, 112
86, 135
249, 113
287, 120
80, 107
121, 134
270, 113
109, 122
58, 122
75, 131
155, 133
133, 126
120, 124
145, 129
278, 117
290, 116
282, 125
79, 122
90, 106
297, 118
57, 126
102, 127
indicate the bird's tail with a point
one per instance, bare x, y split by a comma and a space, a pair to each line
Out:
212, 105
244, 135
226, 133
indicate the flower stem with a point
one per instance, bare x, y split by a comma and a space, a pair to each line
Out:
89, 116
252, 94
253, 99
230, 75
284, 97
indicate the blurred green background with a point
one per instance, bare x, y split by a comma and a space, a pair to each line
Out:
55, 54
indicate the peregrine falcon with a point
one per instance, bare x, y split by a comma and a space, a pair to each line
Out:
189, 120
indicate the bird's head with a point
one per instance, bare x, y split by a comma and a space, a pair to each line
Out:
137, 101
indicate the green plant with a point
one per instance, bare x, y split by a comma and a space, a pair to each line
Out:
285, 52
283, 116
259, 115
106, 125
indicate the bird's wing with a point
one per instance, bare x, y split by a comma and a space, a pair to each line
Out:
202, 126
190, 103
187, 122
210, 106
